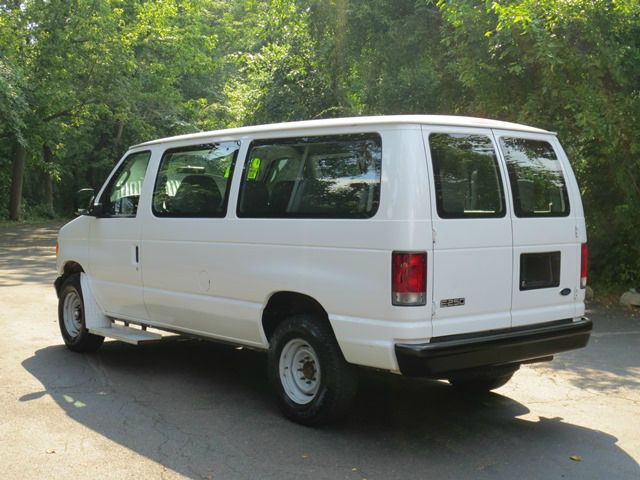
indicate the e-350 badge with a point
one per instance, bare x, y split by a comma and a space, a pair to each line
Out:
452, 302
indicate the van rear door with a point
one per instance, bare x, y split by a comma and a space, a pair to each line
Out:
472, 244
546, 253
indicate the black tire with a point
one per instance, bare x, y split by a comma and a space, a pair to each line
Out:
482, 380
336, 383
74, 332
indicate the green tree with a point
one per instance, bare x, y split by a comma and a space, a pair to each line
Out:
572, 67
96, 72
272, 70
80, 80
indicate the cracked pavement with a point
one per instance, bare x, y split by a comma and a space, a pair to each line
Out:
186, 408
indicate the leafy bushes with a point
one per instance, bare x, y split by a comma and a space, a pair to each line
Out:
83, 80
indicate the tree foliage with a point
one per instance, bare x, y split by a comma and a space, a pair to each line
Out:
572, 67
80, 80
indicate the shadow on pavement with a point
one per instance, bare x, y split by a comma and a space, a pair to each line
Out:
205, 410
611, 360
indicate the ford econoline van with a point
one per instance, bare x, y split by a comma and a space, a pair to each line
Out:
433, 246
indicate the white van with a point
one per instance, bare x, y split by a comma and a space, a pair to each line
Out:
435, 246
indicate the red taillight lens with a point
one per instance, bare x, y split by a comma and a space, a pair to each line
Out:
584, 265
409, 278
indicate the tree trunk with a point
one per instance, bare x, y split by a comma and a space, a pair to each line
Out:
48, 181
119, 134
17, 177
340, 53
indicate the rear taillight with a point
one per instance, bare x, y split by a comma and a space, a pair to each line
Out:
409, 278
584, 265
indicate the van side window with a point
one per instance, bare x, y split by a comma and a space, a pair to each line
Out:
312, 177
194, 181
467, 176
120, 199
536, 178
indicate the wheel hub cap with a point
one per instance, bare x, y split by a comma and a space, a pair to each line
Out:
72, 314
300, 373
308, 370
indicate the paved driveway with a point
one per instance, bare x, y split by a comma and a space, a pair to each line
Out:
187, 408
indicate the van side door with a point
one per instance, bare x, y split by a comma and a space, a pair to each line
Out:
472, 251
186, 244
114, 254
546, 254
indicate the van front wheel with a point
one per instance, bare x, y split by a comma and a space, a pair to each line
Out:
312, 381
71, 318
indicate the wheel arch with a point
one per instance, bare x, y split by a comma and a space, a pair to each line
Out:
283, 304
70, 267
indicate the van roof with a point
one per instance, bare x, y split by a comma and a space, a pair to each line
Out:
444, 120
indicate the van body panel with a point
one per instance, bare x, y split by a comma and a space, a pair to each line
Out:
214, 275
114, 253
472, 260
75, 247
116, 278
371, 342
345, 124
543, 236
581, 227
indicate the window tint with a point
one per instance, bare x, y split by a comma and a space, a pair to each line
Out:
194, 181
467, 178
327, 177
536, 178
120, 199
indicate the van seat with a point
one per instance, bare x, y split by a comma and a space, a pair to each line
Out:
197, 194
255, 198
280, 196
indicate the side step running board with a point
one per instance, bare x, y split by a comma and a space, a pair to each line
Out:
130, 335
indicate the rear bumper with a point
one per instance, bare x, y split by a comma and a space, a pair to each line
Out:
446, 355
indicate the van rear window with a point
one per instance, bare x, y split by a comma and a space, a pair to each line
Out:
467, 176
312, 177
535, 174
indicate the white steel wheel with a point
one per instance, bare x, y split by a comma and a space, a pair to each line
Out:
312, 382
71, 318
72, 314
300, 372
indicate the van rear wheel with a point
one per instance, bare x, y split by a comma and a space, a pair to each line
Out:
312, 381
71, 318
480, 381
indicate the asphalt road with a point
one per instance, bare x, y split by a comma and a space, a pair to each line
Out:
192, 409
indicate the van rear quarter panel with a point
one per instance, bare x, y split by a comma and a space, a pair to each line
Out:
580, 222
214, 276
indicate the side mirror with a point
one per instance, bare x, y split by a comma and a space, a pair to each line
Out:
97, 210
84, 201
